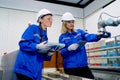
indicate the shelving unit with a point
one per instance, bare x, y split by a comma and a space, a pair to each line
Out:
104, 54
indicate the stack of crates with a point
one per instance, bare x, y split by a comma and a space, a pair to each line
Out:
94, 57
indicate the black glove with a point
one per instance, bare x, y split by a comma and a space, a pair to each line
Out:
103, 34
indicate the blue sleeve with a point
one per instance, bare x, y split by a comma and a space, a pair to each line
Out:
88, 37
27, 42
92, 38
64, 52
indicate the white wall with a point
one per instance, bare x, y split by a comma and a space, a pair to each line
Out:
14, 23
94, 6
92, 20
33, 5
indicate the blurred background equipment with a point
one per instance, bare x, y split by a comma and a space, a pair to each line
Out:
110, 21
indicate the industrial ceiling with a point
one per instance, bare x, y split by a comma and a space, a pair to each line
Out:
74, 3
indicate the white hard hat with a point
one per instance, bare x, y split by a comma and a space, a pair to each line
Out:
42, 13
67, 17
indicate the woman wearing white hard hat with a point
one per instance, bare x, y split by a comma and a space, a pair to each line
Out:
74, 53
33, 48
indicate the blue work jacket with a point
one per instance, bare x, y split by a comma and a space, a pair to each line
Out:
29, 61
76, 58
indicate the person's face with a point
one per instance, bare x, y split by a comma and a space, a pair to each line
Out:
70, 24
46, 21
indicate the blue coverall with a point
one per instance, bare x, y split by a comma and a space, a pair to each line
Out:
76, 58
29, 62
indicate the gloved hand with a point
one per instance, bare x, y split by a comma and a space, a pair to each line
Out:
103, 34
42, 47
106, 34
73, 47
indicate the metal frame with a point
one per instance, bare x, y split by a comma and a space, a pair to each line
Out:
78, 4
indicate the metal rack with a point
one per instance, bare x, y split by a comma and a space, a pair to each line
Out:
104, 59
111, 57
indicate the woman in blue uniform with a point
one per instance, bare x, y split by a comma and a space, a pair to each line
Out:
74, 54
33, 48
